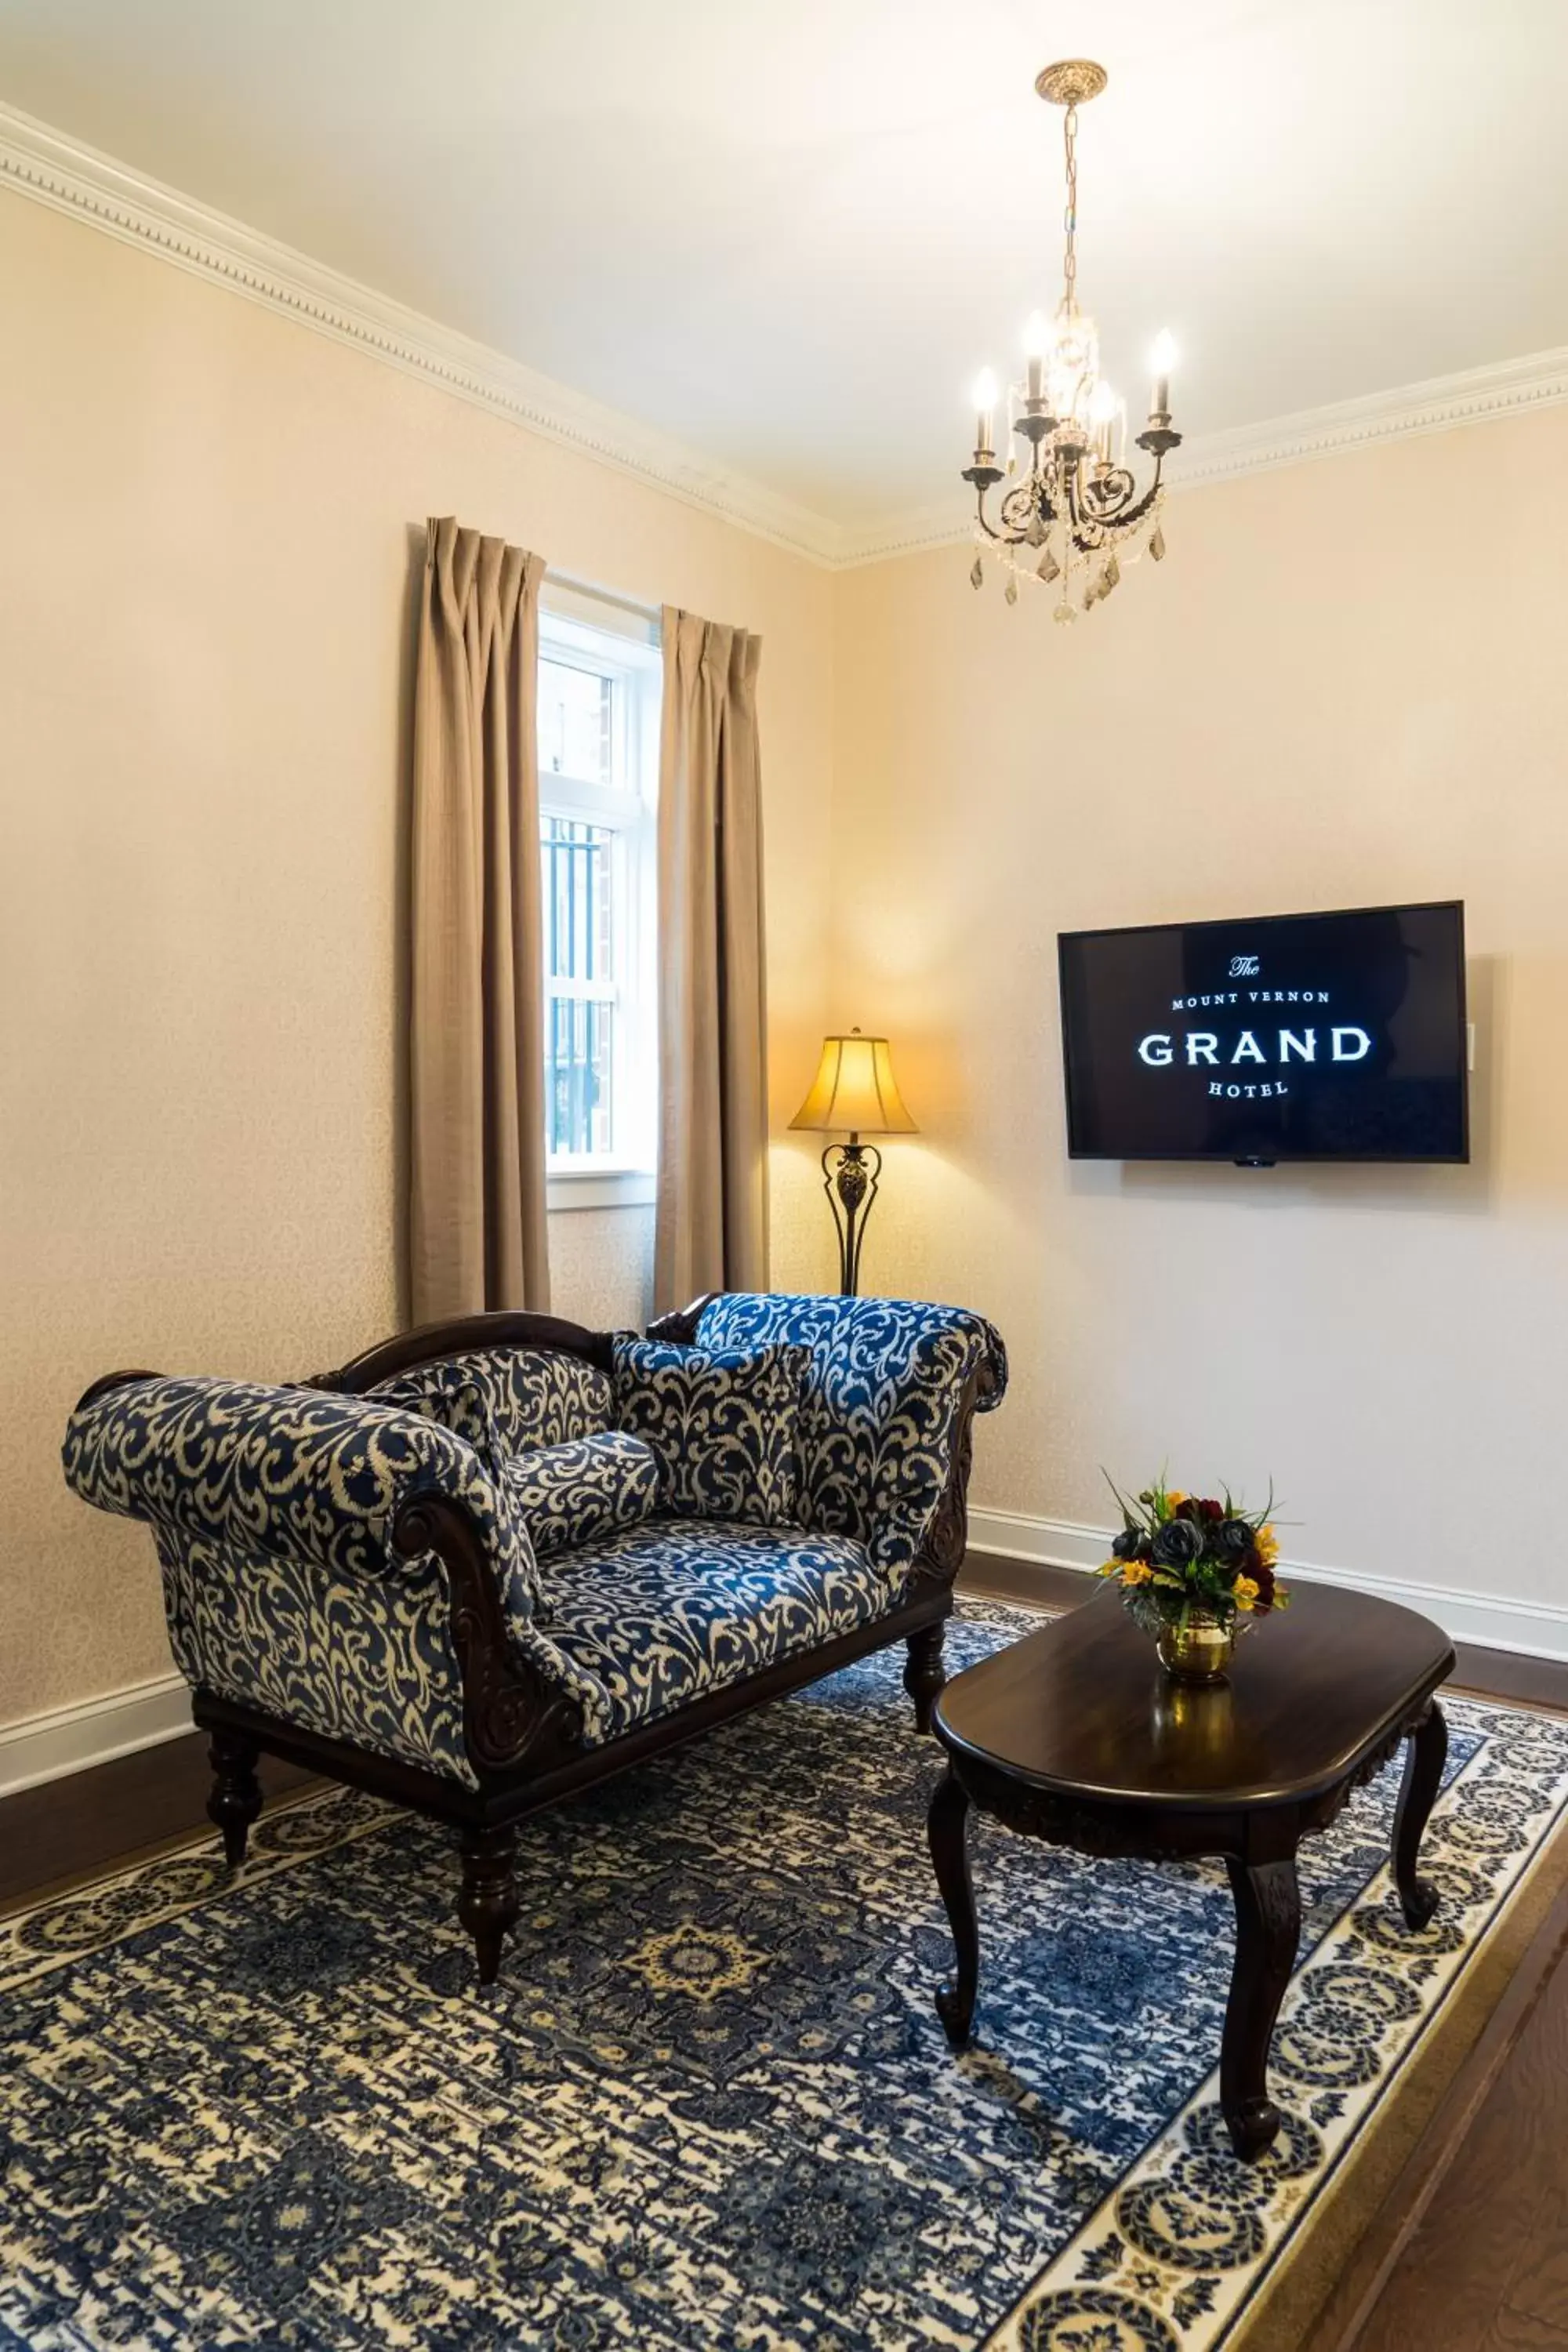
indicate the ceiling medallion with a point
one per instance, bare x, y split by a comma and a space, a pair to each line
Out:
1072, 509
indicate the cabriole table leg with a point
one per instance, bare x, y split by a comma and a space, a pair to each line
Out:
949, 1856
1424, 1760
1268, 1930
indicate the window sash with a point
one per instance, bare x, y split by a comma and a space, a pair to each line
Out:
610, 679
584, 992
600, 1019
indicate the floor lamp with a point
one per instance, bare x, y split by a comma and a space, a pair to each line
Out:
854, 1088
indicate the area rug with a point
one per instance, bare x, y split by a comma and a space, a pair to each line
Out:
711, 2105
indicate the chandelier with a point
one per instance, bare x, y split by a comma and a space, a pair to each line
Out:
1072, 508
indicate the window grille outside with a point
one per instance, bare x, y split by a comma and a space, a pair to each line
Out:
580, 985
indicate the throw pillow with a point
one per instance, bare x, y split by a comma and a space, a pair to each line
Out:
723, 1423
581, 1492
462, 1394
504, 1400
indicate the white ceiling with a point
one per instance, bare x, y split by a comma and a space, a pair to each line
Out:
790, 235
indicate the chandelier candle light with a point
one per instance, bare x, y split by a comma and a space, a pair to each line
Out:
1069, 519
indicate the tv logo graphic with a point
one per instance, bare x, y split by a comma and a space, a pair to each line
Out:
1245, 967
1347, 1042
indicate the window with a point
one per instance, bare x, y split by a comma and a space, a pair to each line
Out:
598, 764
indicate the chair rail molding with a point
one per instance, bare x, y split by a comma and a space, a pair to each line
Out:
1493, 1621
93, 1731
57, 170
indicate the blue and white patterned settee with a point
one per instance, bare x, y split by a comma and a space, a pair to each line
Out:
489, 1562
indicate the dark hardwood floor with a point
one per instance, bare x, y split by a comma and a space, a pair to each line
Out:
70, 1829
1469, 2252
1471, 2249
1488, 2264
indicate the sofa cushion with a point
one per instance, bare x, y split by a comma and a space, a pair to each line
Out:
505, 1400
661, 1615
723, 1423
883, 1384
583, 1491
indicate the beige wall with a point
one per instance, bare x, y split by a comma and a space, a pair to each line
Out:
1346, 685
203, 678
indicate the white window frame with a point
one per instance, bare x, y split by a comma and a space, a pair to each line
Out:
581, 630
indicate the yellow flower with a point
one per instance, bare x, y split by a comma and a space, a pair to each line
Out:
1245, 1591
1267, 1544
1136, 1572
1173, 1497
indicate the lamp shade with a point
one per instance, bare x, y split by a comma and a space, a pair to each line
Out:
854, 1090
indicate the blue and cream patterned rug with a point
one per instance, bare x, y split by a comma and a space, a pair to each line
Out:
711, 2106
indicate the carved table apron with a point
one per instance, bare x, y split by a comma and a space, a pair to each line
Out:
1001, 1741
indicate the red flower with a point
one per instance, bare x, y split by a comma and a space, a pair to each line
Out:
1262, 1576
1211, 1509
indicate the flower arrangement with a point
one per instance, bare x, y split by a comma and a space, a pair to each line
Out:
1181, 1558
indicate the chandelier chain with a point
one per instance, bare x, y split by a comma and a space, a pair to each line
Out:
1070, 214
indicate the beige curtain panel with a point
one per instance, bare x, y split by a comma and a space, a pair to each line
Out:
711, 1221
477, 1235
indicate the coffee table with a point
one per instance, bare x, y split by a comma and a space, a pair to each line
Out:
1075, 1735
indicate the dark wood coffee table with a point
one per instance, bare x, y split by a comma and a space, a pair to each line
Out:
1076, 1735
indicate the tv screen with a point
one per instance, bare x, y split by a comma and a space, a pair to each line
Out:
1336, 1037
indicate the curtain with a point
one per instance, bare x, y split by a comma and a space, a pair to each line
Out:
710, 1230
477, 1236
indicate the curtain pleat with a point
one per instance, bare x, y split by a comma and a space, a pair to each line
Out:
711, 1220
477, 1232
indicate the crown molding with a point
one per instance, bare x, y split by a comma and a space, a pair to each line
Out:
1478, 396
54, 169
1482, 396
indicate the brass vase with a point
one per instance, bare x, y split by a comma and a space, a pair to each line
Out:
1198, 1651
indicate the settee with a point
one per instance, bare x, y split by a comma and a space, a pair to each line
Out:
488, 1563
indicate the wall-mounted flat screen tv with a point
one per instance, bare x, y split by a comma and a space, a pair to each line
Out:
1335, 1036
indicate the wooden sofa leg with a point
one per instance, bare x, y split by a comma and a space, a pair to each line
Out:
924, 1676
489, 1902
235, 1798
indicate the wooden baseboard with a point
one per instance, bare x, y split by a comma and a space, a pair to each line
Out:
1490, 1674
991, 1574
69, 1740
1488, 1621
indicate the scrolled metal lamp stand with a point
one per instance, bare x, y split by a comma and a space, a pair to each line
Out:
849, 1177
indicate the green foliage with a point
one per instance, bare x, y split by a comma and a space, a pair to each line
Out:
1148, 1612
1179, 1552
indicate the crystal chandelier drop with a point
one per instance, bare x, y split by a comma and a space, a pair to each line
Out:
1072, 509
